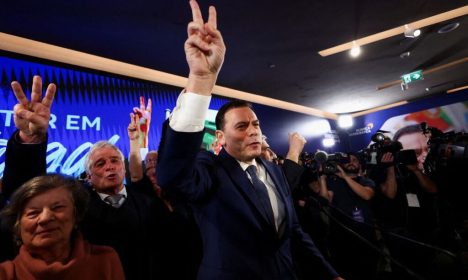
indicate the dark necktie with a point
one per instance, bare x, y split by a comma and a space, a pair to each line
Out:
262, 193
114, 200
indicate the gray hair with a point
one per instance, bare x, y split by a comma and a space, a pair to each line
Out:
97, 146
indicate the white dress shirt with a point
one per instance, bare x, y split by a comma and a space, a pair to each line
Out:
189, 116
123, 192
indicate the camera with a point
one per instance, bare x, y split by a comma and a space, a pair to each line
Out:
445, 148
382, 144
328, 162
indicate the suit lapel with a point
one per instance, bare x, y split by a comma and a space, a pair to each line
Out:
240, 179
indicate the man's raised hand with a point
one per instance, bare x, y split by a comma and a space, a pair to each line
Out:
204, 51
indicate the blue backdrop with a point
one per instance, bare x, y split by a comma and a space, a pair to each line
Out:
88, 107
92, 106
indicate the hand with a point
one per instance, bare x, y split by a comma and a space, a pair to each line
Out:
387, 158
413, 167
133, 128
32, 117
296, 142
296, 145
144, 115
204, 51
340, 173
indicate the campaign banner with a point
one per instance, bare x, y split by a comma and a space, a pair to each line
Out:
89, 106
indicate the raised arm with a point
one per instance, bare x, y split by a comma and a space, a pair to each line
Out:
31, 117
425, 181
183, 134
389, 186
204, 51
135, 164
144, 114
296, 145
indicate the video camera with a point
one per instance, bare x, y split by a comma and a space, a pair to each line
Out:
444, 148
328, 162
383, 144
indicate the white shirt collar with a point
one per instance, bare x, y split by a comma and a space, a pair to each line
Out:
244, 165
123, 192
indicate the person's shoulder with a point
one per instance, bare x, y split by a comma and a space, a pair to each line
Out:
7, 270
207, 157
368, 182
101, 251
206, 154
140, 198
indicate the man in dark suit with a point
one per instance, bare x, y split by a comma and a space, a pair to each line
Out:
247, 221
130, 224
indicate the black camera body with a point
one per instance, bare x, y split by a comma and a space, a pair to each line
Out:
327, 162
382, 145
445, 148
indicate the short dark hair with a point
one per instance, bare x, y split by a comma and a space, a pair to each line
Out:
220, 121
12, 212
410, 129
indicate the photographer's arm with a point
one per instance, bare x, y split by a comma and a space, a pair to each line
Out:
324, 192
426, 183
389, 186
364, 192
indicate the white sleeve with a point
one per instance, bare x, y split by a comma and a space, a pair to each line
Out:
190, 112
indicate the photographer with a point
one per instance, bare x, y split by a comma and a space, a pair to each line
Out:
406, 205
405, 195
352, 226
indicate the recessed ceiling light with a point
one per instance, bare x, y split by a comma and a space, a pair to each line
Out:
355, 50
411, 32
405, 54
462, 11
448, 28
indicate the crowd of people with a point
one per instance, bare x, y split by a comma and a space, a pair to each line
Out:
388, 211
234, 213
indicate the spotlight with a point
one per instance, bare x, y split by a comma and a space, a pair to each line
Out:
345, 121
355, 50
411, 33
328, 142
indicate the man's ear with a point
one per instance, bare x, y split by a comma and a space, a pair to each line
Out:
220, 137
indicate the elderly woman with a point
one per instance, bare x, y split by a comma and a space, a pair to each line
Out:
44, 214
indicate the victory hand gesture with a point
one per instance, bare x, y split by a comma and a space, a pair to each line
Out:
144, 120
204, 50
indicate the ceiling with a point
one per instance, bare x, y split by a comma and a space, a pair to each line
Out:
272, 46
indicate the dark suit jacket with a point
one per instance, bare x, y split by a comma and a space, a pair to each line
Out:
238, 240
132, 230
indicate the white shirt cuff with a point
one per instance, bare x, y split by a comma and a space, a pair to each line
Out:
190, 112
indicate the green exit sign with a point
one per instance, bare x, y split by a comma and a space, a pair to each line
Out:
411, 77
